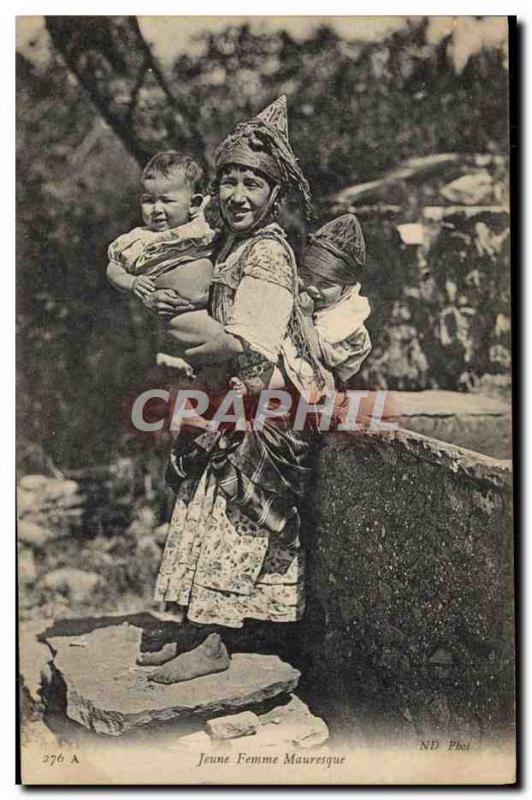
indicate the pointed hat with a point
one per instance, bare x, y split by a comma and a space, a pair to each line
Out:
337, 251
262, 144
276, 115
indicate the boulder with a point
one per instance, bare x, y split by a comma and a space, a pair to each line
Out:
34, 483
421, 604
107, 692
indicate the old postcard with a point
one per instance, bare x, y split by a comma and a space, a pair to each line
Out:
264, 487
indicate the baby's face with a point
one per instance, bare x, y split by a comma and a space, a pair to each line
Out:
323, 293
166, 201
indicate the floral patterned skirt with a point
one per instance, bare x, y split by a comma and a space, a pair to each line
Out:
225, 568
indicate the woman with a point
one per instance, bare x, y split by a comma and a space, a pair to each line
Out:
233, 548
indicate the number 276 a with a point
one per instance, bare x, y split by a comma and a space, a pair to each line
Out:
59, 758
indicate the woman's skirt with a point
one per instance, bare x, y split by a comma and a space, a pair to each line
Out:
224, 567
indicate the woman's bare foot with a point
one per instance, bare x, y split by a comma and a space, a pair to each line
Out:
207, 658
157, 657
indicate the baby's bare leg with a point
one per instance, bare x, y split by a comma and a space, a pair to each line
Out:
186, 330
193, 328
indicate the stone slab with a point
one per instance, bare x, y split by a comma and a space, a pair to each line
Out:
477, 422
108, 693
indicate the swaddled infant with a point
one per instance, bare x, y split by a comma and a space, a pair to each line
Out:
330, 269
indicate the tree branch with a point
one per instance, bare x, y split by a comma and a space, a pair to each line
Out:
115, 66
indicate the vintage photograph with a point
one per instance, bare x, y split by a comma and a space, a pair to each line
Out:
265, 515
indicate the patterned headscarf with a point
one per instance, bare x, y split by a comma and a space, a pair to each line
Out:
262, 144
336, 252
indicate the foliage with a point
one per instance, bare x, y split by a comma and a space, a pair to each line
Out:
356, 109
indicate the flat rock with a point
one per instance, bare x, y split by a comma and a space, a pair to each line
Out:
474, 421
108, 693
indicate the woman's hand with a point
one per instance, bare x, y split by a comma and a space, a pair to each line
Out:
142, 287
167, 303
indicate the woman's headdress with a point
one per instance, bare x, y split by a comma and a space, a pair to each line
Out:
336, 251
262, 144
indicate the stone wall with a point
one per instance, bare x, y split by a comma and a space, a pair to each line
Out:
411, 572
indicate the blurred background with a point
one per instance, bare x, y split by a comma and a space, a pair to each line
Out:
403, 121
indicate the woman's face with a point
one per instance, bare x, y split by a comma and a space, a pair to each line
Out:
244, 195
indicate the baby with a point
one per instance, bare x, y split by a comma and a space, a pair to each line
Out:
330, 299
170, 252
329, 271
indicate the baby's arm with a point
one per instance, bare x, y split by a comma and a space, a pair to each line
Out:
120, 278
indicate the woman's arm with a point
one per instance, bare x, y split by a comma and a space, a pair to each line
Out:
261, 309
259, 321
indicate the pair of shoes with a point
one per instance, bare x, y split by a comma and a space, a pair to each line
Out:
207, 658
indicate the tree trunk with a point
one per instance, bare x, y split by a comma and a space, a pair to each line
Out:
113, 63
